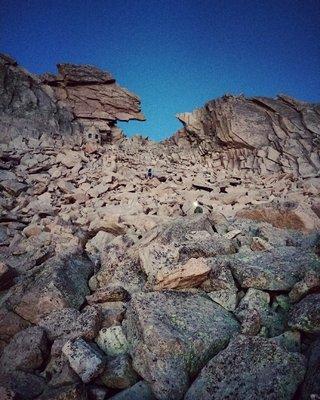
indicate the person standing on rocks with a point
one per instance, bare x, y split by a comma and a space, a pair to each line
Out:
149, 173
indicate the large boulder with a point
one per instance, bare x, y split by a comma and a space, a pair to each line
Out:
58, 372
84, 359
27, 107
249, 368
118, 373
305, 315
173, 256
220, 284
10, 324
25, 385
277, 269
59, 283
69, 323
311, 385
26, 351
172, 335
117, 267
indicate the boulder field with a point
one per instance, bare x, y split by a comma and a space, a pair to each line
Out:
199, 283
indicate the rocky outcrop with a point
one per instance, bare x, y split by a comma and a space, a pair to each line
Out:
27, 107
94, 98
261, 134
80, 100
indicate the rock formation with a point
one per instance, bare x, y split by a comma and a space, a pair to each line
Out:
81, 99
28, 108
260, 134
94, 98
202, 282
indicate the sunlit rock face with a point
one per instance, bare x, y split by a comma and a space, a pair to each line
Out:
261, 134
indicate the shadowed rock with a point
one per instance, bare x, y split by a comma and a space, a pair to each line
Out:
249, 368
59, 283
172, 335
305, 315
27, 107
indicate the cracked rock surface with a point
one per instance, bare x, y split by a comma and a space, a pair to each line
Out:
259, 133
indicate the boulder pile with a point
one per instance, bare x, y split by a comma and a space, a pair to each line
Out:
199, 282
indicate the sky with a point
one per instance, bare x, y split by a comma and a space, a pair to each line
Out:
175, 55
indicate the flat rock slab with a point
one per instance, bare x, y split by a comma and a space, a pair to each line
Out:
249, 368
172, 335
191, 274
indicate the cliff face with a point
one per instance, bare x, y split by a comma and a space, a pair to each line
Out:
81, 99
94, 98
27, 107
261, 134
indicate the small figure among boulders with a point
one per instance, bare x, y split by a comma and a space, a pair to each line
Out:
149, 173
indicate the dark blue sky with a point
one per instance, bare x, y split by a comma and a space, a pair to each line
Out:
174, 54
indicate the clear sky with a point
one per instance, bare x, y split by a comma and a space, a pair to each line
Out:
174, 54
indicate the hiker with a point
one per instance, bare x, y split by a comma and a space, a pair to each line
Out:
149, 173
